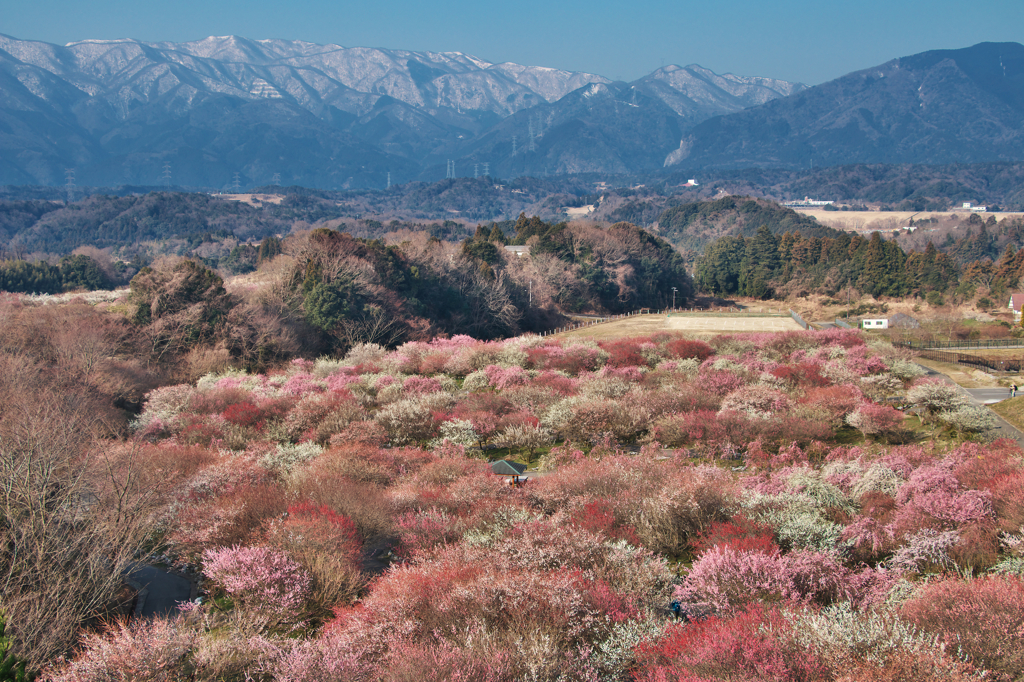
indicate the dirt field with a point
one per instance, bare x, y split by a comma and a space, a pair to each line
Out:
253, 199
868, 221
699, 325
720, 324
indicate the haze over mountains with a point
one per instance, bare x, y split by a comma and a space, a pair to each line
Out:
218, 111
324, 115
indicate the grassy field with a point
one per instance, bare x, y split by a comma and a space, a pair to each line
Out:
692, 323
1011, 410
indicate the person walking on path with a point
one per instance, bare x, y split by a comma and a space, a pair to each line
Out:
1013, 390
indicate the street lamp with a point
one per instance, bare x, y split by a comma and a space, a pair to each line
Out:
673, 298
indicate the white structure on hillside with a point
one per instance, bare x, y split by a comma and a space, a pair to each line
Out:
877, 323
807, 202
1016, 304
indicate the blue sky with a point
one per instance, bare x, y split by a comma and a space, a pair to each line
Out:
797, 40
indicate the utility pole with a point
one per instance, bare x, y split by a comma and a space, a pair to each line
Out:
673, 298
69, 177
531, 293
847, 300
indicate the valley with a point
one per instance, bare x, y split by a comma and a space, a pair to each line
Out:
411, 365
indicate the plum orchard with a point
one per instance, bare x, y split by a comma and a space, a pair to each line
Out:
792, 557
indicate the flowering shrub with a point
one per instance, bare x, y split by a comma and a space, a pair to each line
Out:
753, 644
137, 650
759, 402
873, 644
244, 414
624, 352
416, 385
801, 374
503, 378
326, 544
284, 458
925, 551
597, 516
259, 577
982, 618
558, 579
834, 402
458, 431
685, 349
933, 396
739, 534
872, 419
967, 419
725, 579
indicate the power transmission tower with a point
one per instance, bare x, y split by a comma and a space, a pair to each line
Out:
451, 170
69, 179
476, 170
276, 180
531, 148
487, 169
237, 183
166, 176
513, 145
389, 180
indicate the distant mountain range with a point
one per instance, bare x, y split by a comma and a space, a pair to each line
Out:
196, 114
943, 106
228, 111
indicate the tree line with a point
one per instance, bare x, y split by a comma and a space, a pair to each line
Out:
768, 264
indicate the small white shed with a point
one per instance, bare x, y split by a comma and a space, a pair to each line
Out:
876, 323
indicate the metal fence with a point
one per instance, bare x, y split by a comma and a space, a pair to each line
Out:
844, 325
991, 364
600, 320
970, 344
799, 320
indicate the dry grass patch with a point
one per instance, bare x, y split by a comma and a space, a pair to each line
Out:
961, 375
695, 325
1011, 410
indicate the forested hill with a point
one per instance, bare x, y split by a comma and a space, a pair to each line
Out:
102, 221
984, 260
691, 227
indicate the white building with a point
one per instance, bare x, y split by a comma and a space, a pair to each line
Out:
877, 323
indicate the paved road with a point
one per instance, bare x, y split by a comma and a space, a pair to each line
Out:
988, 396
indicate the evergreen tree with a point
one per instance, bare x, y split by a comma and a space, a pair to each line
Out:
12, 669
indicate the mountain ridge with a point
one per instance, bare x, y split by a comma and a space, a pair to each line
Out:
120, 111
940, 106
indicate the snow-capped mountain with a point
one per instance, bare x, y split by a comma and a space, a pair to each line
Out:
129, 112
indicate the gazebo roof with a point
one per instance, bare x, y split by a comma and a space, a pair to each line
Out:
503, 467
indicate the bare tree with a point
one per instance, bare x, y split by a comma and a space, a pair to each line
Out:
70, 523
376, 325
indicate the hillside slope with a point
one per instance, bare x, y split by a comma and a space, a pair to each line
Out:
940, 106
